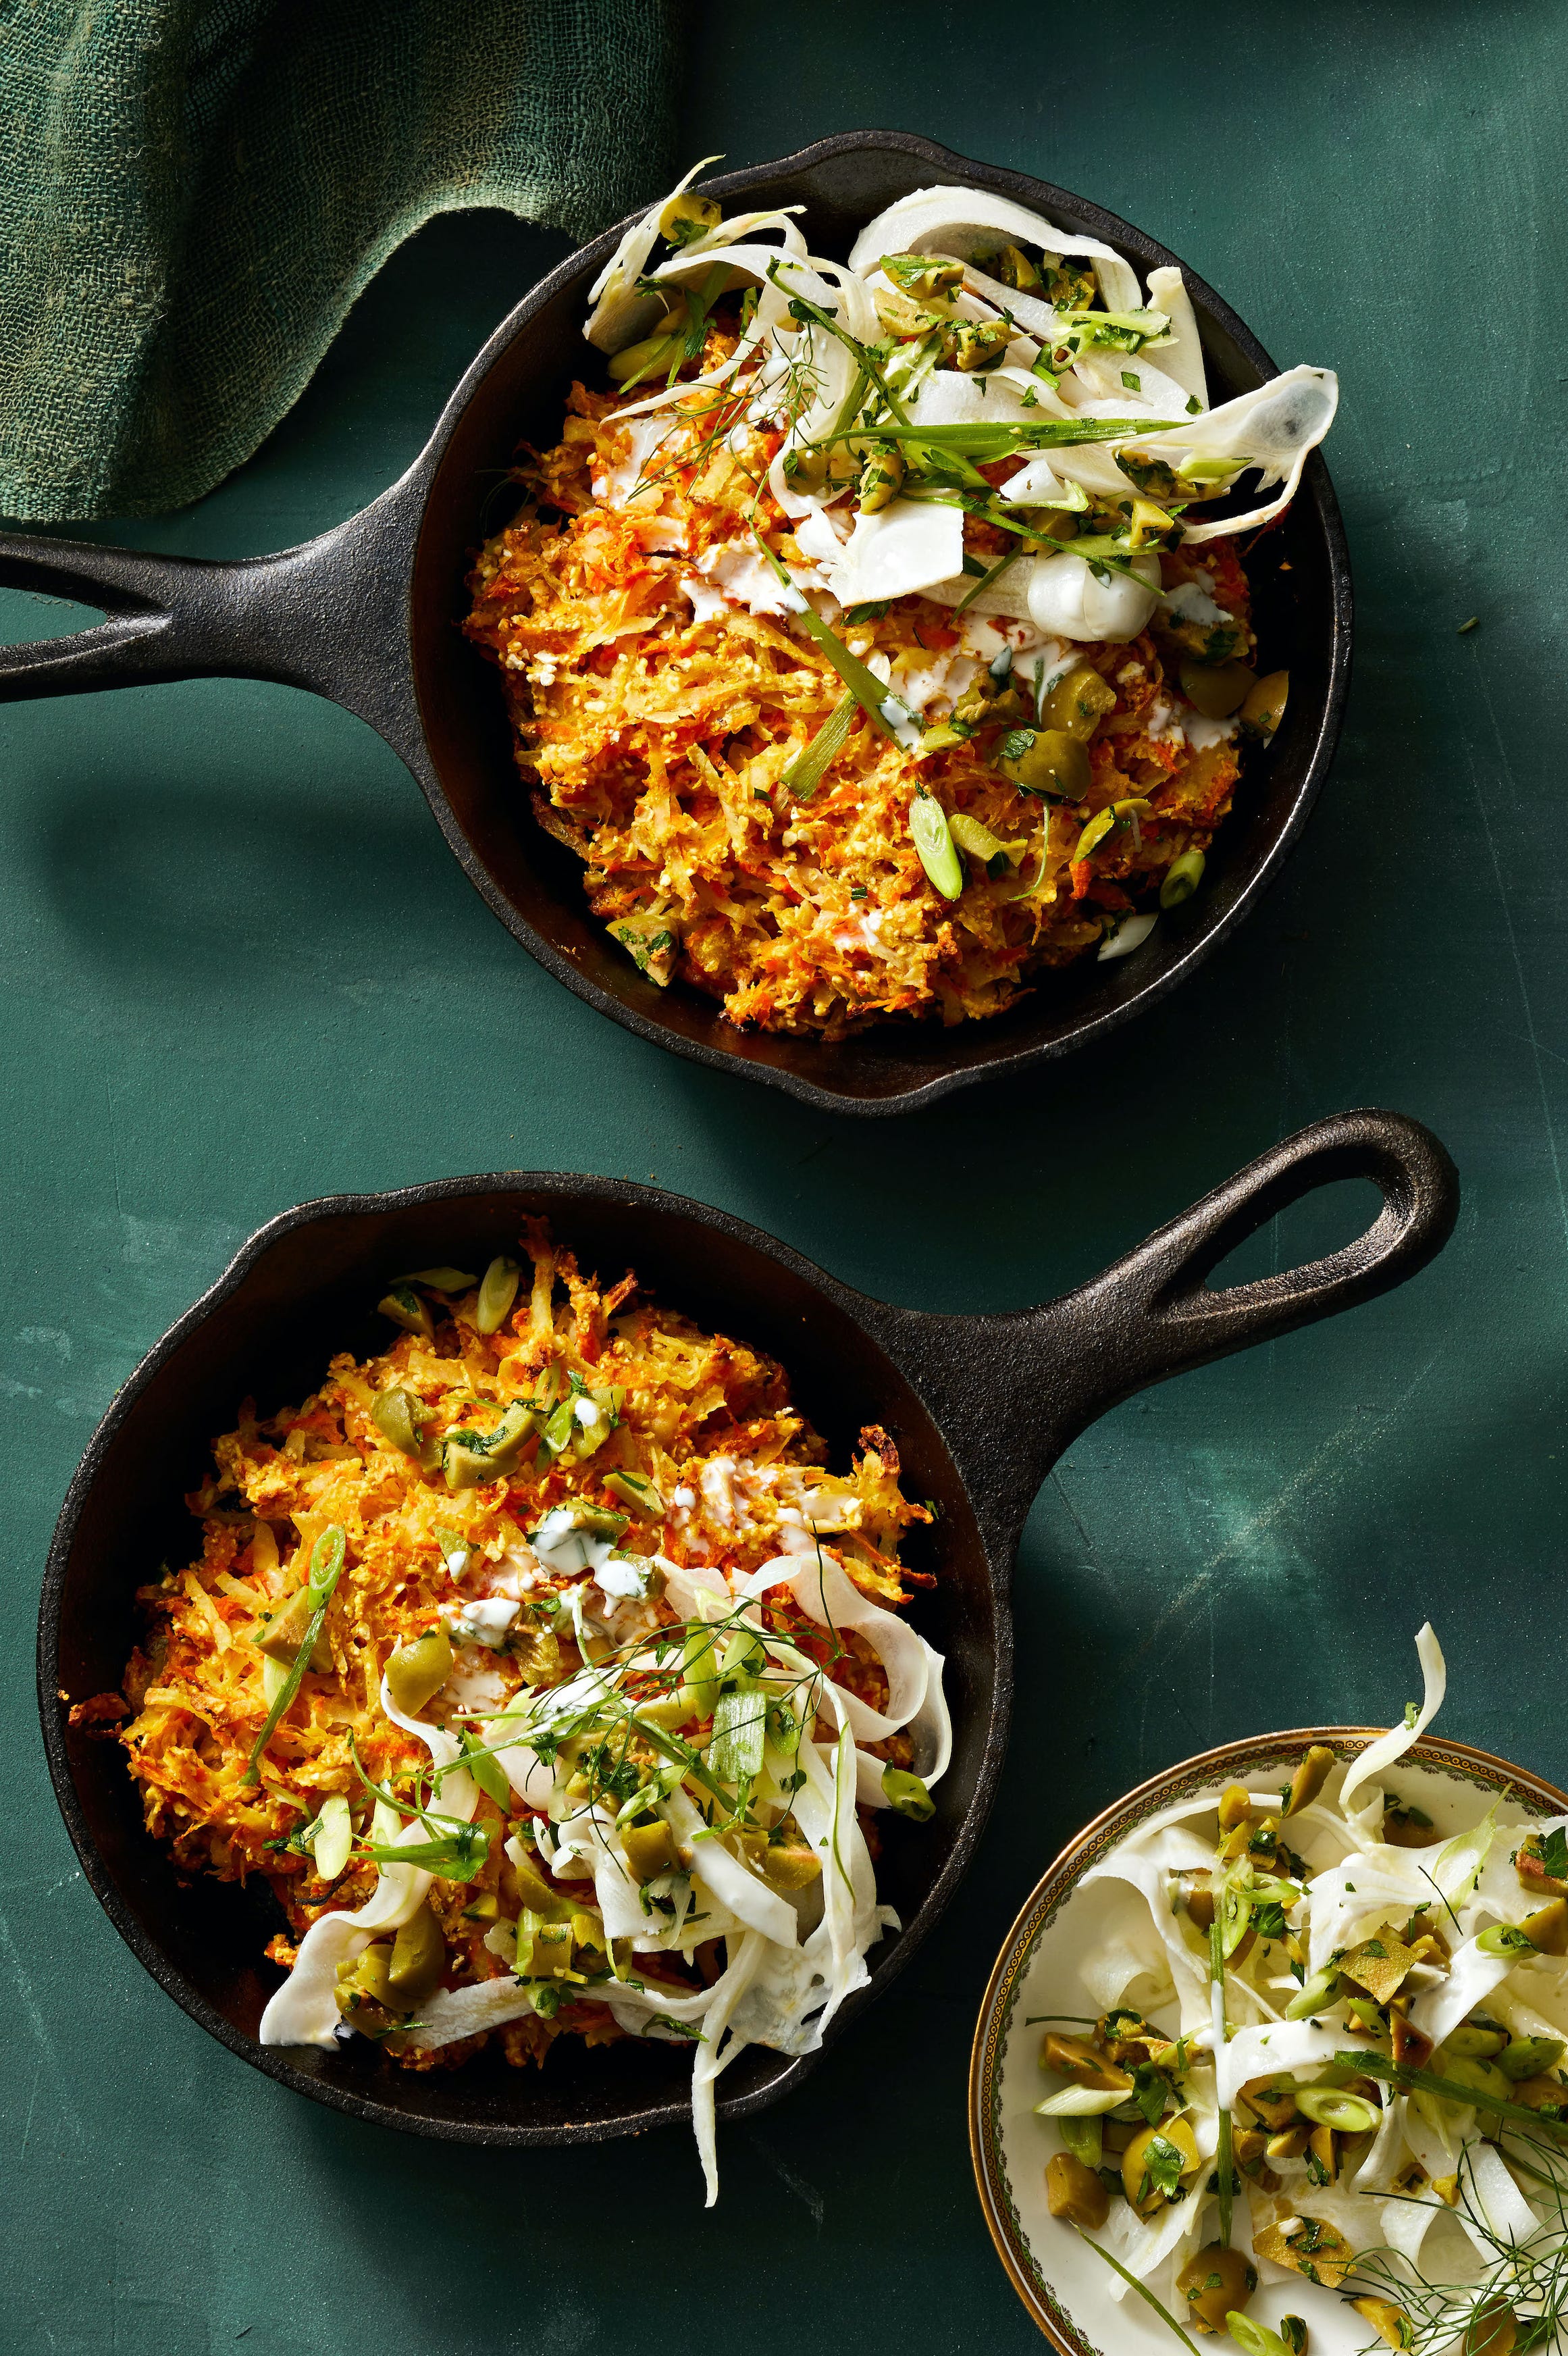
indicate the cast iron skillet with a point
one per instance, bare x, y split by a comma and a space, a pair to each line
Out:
367, 615
980, 1407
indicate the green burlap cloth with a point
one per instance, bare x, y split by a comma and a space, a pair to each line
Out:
193, 193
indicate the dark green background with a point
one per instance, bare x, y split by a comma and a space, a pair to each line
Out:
242, 971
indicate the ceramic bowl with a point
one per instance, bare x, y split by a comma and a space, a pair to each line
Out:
1067, 2289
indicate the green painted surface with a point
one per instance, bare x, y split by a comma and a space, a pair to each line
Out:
241, 969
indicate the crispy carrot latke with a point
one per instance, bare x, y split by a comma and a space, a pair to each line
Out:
655, 733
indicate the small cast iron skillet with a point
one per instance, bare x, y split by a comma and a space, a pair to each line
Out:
980, 1408
367, 614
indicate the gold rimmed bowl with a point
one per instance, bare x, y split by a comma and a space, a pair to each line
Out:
1071, 2293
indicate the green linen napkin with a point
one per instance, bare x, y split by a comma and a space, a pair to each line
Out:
193, 193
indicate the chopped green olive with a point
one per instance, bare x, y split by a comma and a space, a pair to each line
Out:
1181, 878
1217, 690
1265, 706
1216, 2282
1311, 1772
1079, 702
689, 217
285, 1631
497, 1291
403, 1305
650, 1847
1046, 762
419, 1952
907, 1794
368, 1975
971, 344
1074, 2191
1390, 2323
929, 831
472, 1458
641, 1495
397, 1415
880, 480
1011, 265
418, 1669
790, 1864
923, 273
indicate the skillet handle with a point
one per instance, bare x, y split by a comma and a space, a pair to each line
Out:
1153, 1314
330, 615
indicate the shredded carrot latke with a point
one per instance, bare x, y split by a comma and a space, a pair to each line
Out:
703, 1423
655, 734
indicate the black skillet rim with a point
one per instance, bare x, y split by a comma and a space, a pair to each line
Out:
272, 2060
1317, 488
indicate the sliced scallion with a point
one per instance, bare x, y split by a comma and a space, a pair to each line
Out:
811, 765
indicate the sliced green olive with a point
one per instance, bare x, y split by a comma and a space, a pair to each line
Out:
1046, 762
497, 1291
1217, 690
1216, 2282
418, 1669
978, 840
1181, 878
1265, 706
472, 1458
1483, 2080
404, 1306
418, 1954
929, 832
907, 1794
1326, 2106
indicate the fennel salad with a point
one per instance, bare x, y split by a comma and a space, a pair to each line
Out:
551, 1679
1329, 2059
881, 639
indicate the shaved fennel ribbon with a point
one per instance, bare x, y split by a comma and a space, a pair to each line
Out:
809, 376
